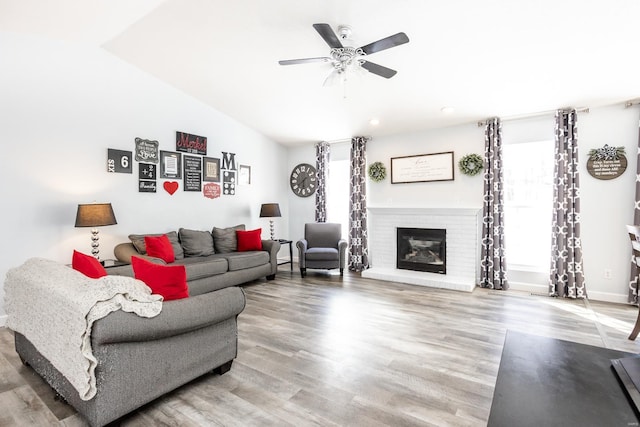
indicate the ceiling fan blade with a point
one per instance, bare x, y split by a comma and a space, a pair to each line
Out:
304, 60
385, 43
329, 36
385, 72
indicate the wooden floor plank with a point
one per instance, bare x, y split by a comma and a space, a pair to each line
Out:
330, 350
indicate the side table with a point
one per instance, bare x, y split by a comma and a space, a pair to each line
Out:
108, 263
287, 242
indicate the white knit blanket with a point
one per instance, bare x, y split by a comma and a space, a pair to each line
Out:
54, 307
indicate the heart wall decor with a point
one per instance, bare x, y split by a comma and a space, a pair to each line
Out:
170, 187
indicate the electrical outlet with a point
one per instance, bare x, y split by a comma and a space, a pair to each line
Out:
607, 273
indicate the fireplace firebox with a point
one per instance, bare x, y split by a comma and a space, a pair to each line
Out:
422, 249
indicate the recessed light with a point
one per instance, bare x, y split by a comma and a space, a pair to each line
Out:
447, 110
374, 122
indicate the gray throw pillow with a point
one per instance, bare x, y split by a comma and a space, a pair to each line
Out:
225, 240
138, 243
195, 242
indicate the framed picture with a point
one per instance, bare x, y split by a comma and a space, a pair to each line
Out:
210, 169
170, 165
422, 168
244, 175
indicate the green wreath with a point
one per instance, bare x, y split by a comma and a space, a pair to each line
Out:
471, 164
377, 171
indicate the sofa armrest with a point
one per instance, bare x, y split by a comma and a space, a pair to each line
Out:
124, 252
273, 247
302, 248
177, 317
343, 245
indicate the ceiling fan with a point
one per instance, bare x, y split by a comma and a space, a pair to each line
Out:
346, 59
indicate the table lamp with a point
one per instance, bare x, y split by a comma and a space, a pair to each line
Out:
270, 210
95, 215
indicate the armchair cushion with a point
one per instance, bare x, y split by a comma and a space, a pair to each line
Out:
322, 254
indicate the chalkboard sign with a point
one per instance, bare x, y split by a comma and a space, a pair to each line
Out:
193, 144
146, 150
192, 173
147, 186
118, 161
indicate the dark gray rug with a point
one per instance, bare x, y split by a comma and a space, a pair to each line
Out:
549, 382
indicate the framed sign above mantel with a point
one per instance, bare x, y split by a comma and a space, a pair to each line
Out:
422, 168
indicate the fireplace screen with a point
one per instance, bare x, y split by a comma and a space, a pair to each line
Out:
422, 249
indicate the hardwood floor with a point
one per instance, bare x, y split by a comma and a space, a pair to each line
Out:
327, 350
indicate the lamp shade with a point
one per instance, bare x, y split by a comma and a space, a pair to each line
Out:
95, 215
269, 210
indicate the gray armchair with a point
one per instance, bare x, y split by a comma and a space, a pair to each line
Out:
322, 247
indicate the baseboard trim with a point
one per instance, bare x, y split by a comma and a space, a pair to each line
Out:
593, 295
3, 320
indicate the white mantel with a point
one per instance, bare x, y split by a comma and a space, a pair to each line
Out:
463, 227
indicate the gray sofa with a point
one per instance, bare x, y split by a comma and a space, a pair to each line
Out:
141, 359
210, 258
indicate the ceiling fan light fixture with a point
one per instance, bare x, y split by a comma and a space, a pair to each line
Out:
374, 122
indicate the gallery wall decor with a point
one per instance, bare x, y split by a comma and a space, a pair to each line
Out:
192, 166
377, 171
210, 169
147, 175
146, 150
212, 176
170, 165
607, 162
193, 144
211, 190
244, 175
471, 164
228, 173
422, 168
118, 161
170, 187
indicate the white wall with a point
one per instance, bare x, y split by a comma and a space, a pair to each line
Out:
62, 106
606, 206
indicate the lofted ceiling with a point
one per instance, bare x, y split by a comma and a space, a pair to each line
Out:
491, 58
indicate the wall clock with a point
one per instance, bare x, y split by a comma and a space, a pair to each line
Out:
303, 180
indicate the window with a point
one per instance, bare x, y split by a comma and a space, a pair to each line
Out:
528, 200
338, 194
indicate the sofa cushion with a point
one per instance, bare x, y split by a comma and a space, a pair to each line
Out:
242, 260
249, 240
159, 247
224, 239
138, 242
322, 254
199, 267
87, 265
196, 242
170, 281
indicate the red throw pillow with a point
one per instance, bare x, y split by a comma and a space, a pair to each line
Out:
170, 281
249, 240
160, 247
87, 265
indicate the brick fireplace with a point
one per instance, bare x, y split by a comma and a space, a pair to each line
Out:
463, 227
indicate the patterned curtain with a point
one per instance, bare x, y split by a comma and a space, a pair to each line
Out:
358, 245
566, 275
633, 281
323, 150
493, 264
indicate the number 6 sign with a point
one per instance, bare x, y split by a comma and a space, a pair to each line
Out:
118, 161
